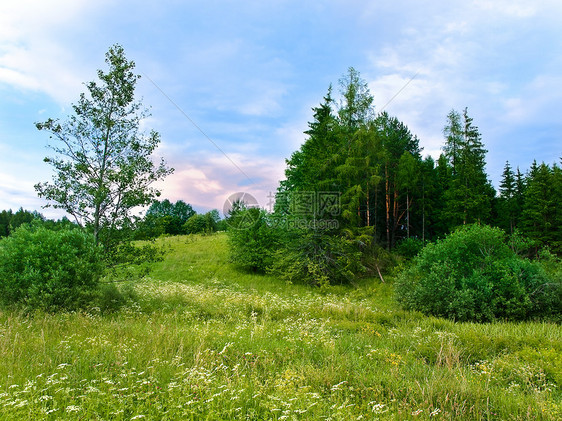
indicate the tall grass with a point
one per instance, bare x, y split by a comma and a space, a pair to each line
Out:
202, 340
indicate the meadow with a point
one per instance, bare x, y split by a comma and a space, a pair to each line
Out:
199, 339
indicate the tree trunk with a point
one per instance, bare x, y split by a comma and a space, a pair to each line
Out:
387, 198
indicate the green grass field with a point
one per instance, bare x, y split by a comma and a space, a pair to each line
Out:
200, 340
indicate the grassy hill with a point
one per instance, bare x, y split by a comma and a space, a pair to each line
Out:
199, 339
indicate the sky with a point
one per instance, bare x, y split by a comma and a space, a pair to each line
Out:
231, 84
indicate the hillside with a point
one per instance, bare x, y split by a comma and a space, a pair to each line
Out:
198, 339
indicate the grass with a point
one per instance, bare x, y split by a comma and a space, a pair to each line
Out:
201, 340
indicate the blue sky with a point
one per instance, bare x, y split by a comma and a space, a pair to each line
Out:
249, 72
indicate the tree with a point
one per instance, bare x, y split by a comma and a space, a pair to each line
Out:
104, 169
171, 216
539, 208
470, 193
453, 139
206, 223
508, 199
252, 245
355, 109
408, 174
310, 168
396, 140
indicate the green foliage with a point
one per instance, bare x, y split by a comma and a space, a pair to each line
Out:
317, 259
509, 198
541, 215
10, 221
40, 268
202, 224
195, 225
473, 275
169, 217
409, 247
102, 164
252, 239
149, 227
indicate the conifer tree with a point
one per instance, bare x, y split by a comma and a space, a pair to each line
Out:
539, 206
507, 203
470, 193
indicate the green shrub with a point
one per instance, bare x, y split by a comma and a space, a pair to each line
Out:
317, 259
40, 268
206, 223
474, 275
409, 247
252, 239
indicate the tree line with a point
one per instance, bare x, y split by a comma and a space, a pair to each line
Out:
392, 193
358, 192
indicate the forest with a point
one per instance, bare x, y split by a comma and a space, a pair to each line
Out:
390, 191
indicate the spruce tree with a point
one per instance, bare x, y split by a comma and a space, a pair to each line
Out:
507, 202
539, 206
470, 193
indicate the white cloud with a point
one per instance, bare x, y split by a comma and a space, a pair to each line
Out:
537, 103
512, 8
207, 182
33, 54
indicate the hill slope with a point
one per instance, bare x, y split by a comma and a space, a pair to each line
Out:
201, 340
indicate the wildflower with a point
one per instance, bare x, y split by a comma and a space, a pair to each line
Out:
337, 386
73, 408
379, 408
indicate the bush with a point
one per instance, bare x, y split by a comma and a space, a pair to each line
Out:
252, 239
409, 247
317, 259
198, 224
40, 268
474, 275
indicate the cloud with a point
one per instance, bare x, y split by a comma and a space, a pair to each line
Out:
511, 8
33, 54
475, 55
207, 182
535, 102
18, 192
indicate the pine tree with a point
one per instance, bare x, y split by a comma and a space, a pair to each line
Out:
539, 207
470, 193
453, 139
408, 175
356, 106
507, 202
396, 139
311, 167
